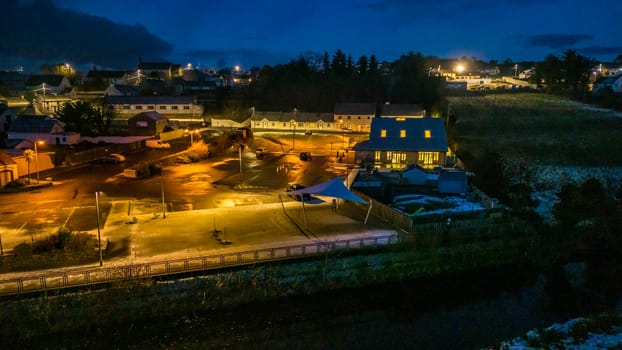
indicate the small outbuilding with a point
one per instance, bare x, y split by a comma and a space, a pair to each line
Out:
147, 124
452, 181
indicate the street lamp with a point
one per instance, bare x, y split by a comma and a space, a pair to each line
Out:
37, 157
162, 186
99, 237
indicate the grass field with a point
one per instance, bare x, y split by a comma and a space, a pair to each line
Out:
537, 127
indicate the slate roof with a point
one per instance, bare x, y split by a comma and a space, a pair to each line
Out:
399, 109
5, 159
355, 108
155, 100
155, 65
106, 74
150, 115
33, 124
415, 135
50, 79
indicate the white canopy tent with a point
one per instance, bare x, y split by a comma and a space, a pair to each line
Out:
332, 188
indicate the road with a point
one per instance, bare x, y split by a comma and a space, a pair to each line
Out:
212, 183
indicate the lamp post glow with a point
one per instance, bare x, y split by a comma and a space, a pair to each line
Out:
99, 237
37, 157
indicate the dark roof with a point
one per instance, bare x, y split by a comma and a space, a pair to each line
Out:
149, 115
50, 79
6, 159
415, 135
390, 109
105, 74
155, 65
298, 116
33, 124
355, 108
12, 143
127, 90
156, 100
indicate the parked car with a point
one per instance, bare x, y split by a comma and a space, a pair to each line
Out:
295, 186
260, 152
158, 144
308, 132
305, 156
112, 158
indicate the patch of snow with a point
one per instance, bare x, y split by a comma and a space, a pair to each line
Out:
611, 340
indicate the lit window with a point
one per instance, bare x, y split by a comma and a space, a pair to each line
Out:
383, 133
400, 119
428, 134
376, 155
402, 133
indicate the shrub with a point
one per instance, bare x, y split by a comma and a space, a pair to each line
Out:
17, 183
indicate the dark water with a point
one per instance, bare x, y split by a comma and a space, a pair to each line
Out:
466, 311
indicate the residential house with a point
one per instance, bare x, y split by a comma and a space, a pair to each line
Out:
356, 117
8, 169
19, 145
149, 123
398, 142
42, 128
159, 70
170, 106
197, 80
294, 121
398, 110
452, 181
49, 104
14, 82
122, 90
107, 77
48, 84
613, 83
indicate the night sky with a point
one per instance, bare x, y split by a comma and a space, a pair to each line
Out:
223, 33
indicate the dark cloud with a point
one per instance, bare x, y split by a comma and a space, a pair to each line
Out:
601, 50
556, 41
38, 30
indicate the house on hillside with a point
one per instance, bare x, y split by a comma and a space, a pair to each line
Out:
159, 70
294, 121
106, 77
8, 169
14, 82
171, 106
42, 128
122, 90
398, 142
354, 116
399, 110
48, 84
147, 124
613, 83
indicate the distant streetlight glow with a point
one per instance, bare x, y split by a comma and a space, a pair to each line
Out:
37, 156
459, 68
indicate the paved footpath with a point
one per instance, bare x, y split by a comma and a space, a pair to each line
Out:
187, 234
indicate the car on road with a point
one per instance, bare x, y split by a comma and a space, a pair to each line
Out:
112, 158
260, 152
295, 186
305, 156
308, 132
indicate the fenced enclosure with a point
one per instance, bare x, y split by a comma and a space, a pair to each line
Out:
95, 276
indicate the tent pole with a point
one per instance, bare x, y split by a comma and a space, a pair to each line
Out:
304, 212
368, 211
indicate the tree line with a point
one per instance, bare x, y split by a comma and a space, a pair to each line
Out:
314, 84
